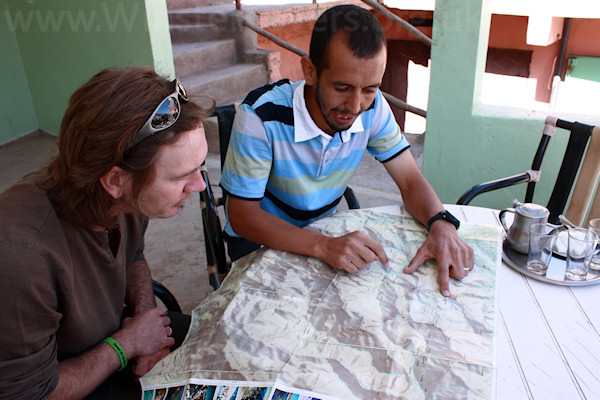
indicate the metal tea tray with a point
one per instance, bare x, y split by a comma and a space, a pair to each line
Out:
555, 273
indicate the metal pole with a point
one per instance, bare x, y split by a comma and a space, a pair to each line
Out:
403, 105
559, 63
420, 35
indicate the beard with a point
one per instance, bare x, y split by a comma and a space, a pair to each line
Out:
328, 113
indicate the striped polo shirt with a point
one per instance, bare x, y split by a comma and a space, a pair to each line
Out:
277, 155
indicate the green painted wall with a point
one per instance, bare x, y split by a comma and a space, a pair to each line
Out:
160, 38
63, 43
17, 115
582, 67
468, 143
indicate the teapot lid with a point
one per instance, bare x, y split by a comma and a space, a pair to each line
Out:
531, 210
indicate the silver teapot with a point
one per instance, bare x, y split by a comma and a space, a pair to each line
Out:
526, 214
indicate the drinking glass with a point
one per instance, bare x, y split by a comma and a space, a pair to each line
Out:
542, 238
594, 225
582, 243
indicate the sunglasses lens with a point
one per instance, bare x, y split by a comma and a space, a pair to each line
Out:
166, 114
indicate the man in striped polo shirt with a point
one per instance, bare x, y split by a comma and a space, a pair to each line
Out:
295, 146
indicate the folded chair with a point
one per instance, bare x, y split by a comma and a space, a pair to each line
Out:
583, 150
217, 261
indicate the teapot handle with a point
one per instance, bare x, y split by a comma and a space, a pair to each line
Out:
501, 217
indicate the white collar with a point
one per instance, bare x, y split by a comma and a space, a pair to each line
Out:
304, 126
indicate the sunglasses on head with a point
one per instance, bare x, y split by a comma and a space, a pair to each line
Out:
164, 116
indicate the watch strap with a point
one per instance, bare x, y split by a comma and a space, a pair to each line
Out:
445, 215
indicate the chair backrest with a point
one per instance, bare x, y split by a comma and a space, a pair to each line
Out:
581, 207
225, 116
576, 149
217, 263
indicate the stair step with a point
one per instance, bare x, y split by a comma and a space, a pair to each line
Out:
178, 4
202, 15
198, 33
200, 57
229, 84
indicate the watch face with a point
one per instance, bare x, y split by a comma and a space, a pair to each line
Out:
445, 215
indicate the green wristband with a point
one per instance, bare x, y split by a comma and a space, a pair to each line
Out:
120, 352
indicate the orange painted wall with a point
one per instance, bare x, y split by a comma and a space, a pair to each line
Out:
509, 32
584, 37
296, 34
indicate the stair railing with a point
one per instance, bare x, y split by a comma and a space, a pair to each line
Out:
393, 17
388, 14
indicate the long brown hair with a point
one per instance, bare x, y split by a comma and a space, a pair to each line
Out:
102, 119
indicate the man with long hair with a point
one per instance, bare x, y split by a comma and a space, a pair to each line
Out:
76, 300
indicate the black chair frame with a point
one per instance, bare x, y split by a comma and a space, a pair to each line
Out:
165, 296
578, 139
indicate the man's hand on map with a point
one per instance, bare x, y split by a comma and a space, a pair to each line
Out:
454, 257
352, 251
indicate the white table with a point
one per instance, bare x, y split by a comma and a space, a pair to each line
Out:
548, 337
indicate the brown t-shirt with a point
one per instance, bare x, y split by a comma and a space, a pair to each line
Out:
61, 289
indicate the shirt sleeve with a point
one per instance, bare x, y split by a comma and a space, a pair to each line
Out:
386, 140
28, 321
139, 253
249, 156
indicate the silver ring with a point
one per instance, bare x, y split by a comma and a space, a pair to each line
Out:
466, 269
170, 331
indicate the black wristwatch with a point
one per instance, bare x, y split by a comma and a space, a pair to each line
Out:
446, 216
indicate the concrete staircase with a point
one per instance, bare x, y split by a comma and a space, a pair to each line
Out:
212, 53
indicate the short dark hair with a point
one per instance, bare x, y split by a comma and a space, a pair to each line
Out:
102, 119
362, 32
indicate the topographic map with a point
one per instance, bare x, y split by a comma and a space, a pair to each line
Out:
285, 326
